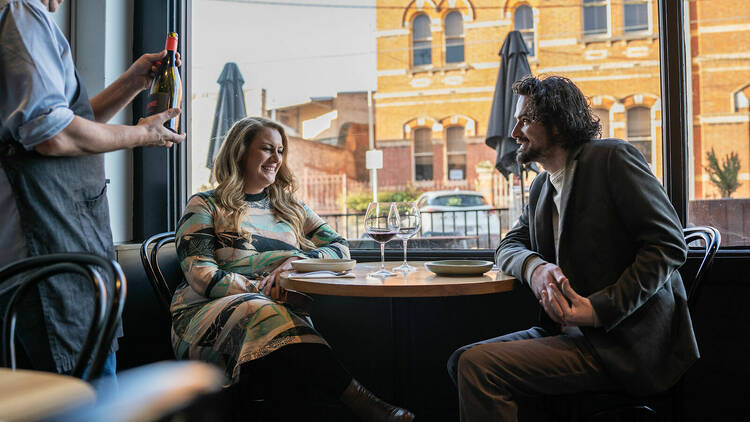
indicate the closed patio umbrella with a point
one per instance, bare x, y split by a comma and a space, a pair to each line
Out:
513, 66
230, 107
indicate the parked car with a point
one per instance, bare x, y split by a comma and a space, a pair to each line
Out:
458, 213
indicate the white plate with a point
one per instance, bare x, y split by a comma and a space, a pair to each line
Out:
313, 264
459, 267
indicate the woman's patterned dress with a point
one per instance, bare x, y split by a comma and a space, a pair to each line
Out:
218, 315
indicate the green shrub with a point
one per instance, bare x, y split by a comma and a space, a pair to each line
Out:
359, 201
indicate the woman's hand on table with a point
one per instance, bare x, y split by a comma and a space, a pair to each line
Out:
270, 285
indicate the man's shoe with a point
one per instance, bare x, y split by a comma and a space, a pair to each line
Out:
369, 408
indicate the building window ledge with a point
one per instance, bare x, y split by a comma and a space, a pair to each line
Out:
609, 39
463, 67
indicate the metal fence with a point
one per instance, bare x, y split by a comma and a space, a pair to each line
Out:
471, 229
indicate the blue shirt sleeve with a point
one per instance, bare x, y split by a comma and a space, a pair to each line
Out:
35, 74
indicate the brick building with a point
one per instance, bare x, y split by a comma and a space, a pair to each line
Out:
437, 63
328, 138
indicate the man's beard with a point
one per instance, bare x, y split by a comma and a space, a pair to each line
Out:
527, 155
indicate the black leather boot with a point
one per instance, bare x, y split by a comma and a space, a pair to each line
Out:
369, 408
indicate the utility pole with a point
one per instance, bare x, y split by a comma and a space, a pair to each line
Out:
373, 157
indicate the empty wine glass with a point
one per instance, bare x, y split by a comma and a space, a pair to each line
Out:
409, 222
382, 224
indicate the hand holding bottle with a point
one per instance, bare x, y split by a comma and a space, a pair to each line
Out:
142, 72
166, 88
156, 134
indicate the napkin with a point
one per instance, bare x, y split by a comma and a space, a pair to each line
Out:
322, 274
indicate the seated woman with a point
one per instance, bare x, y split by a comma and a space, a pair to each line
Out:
233, 243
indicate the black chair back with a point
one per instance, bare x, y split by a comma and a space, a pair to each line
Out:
104, 323
165, 274
711, 239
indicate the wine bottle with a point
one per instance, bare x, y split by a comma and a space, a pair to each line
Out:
166, 89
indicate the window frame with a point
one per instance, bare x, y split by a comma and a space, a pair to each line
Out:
448, 38
636, 30
525, 31
154, 191
607, 14
645, 137
449, 153
416, 154
675, 122
415, 40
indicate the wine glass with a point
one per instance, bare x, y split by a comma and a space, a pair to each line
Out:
381, 223
409, 222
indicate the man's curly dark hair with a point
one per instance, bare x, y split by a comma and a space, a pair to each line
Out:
557, 102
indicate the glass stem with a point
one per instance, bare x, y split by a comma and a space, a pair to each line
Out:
405, 241
382, 256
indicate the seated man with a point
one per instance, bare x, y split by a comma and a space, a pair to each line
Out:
599, 244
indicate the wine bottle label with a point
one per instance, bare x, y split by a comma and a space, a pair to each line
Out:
157, 102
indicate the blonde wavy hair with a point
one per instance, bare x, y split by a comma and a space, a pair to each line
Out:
229, 174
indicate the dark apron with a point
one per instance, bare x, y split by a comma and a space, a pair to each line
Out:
63, 207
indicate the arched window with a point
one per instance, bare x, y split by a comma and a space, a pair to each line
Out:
603, 116
456, 153
594, 17
454, 38
636, 15
523, 21
740, 99
423, 154
639, 130
421, 41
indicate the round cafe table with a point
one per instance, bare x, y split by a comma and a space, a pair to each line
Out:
401, 290
34, 395
419, 283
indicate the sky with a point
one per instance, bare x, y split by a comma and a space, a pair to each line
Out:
294, 52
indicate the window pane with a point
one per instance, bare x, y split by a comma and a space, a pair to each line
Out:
594, 20
313, 78
423, 141
454, 53
636, 17
421, 27
523, 18
639, 130
719, 176
454, 26
455, 139
457, 167
422, 53
423, 168
639, 122
603, 120
524, 21
528, 37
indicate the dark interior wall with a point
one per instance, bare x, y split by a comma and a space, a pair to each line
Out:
398, 348
716, 386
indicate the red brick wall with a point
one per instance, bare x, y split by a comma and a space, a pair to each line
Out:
397, 166
324, 158
730, 216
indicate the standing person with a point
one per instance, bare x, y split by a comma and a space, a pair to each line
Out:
233, 243
599, 244
52, 183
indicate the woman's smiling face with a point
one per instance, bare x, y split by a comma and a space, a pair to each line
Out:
263, 160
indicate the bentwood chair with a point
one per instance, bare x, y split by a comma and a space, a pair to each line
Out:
636, 408
164, 275
104, 321
163, 270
